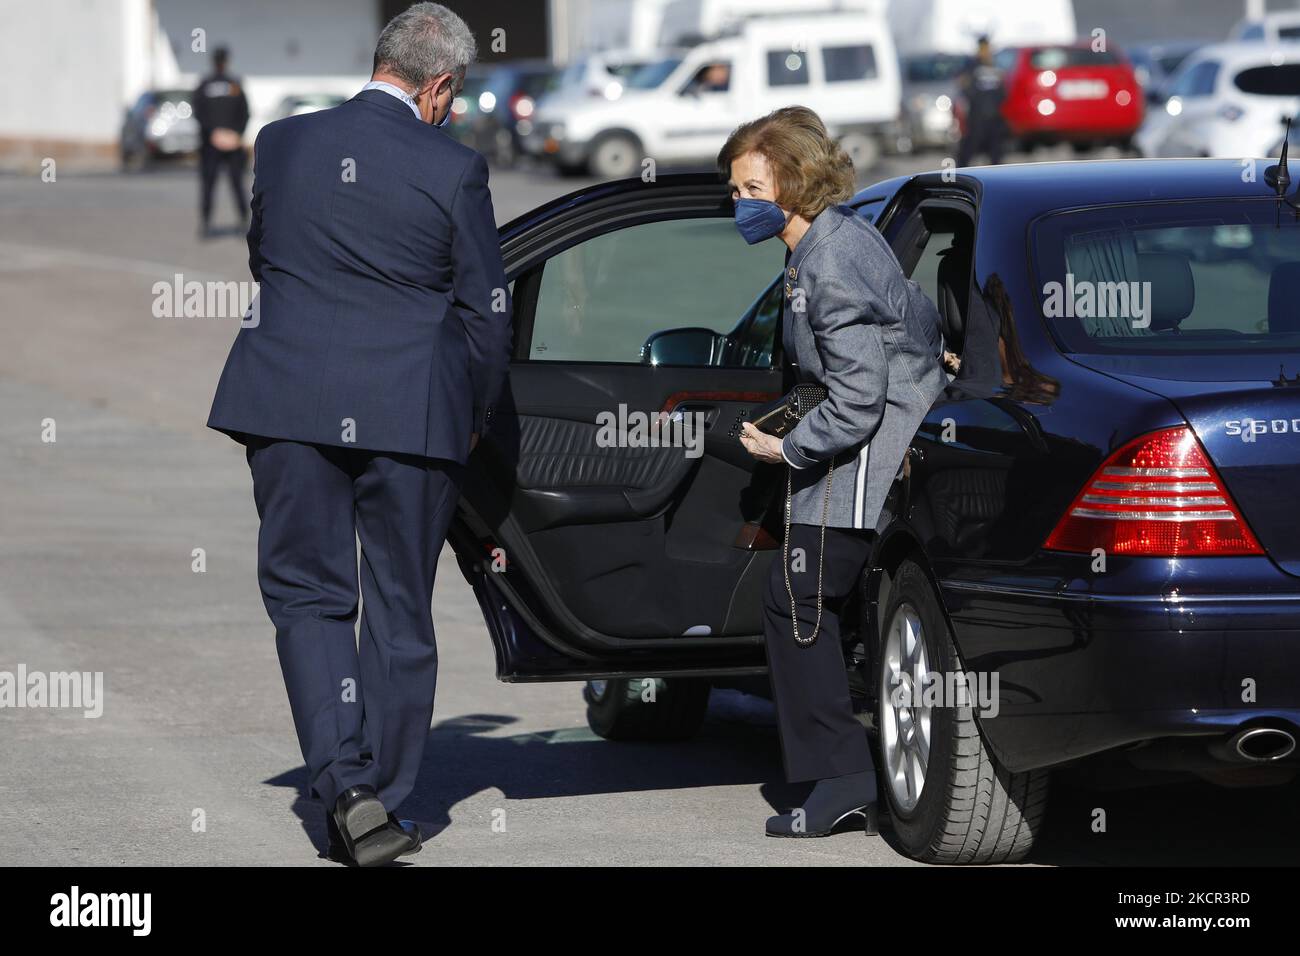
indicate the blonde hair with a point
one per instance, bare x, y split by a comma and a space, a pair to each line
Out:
811, 170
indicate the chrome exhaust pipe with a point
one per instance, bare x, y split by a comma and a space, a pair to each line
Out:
1255, 745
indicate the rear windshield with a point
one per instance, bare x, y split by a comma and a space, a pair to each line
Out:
1056, 57
1211, 277
934, 69
1281, 80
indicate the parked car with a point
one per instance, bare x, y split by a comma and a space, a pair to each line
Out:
1070, 93
602, 73
1154, 65
1097, 512
1228, 99
296, 104
929, 92
1271, 28
680, 110
497, 105
160, 123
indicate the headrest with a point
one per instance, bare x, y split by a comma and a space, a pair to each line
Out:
953, 295
1284, 298
1173, 294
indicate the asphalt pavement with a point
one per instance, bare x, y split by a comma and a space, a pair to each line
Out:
194, 759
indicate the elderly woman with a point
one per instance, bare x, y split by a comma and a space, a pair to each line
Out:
856, 325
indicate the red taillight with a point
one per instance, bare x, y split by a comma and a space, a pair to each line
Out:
1158, 496
521, 106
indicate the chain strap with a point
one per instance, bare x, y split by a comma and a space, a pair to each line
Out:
821, 557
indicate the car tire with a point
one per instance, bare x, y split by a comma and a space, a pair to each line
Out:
618, 709
969, 809
615, 156
863, 149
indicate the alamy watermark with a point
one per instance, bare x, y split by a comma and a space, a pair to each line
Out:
625, 429
1086, 299
976, 689
179, 298
75, 690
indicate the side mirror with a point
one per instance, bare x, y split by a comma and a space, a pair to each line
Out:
688, 346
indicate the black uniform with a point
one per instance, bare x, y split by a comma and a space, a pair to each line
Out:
219, 103
984, 89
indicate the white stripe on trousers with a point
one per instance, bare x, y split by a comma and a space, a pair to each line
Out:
860, 484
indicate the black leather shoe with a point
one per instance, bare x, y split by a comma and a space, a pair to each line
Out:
338, 850
833, 801
368, 837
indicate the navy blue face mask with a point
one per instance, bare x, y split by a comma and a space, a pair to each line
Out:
759, 219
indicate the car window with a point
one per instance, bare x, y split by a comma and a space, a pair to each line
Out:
750, 344
1206, 276
1197, 80
786, 67
1057, 57
711, 77
926, 270
843, 64
1005, 59
918, 69
1253, 32
600, 300
652, 74
1283, 80
1169, 62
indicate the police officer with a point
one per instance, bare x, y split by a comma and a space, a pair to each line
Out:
984, 89
222, 113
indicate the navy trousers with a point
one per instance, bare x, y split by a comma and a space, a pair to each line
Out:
361, 706
820, 737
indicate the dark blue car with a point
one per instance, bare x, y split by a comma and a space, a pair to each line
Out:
1097, 523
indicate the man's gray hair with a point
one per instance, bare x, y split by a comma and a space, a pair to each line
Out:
424, 41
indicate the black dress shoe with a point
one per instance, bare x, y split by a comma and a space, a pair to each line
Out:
368, 837
833, 801
338, 850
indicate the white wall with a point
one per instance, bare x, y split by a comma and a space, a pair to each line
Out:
68, 68
280, 47
64, 67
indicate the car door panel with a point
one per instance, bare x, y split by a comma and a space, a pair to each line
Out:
588, 559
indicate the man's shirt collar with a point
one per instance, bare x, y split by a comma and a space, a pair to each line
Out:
398, 92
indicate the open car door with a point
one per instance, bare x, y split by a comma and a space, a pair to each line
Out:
598, 545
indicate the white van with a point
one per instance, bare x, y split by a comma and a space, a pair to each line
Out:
681, 109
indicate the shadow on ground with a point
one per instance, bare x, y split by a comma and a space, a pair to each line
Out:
1181, 824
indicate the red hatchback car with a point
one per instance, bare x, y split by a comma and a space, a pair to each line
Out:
1070, 93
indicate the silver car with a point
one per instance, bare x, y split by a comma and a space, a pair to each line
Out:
929, 89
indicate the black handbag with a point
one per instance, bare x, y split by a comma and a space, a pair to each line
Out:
778, 418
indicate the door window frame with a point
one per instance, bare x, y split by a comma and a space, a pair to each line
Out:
527, 278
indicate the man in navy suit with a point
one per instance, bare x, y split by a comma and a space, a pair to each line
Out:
380, 340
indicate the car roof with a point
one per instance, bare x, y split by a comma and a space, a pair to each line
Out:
1032, 189
1013, 192
1234, 54
1276, 18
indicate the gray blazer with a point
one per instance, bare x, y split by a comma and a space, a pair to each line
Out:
855, 323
